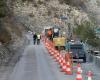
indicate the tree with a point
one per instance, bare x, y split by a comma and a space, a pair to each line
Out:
86, 32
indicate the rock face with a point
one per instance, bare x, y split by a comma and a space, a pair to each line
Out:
12, 36
11, 39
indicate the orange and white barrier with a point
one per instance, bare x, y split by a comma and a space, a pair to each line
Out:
79, 69
65, 62
69, 69
90, 75
79, 76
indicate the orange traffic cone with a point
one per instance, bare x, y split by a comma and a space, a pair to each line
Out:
49, 49
61, 62
56, 57
64, 67
52, 53
46, 44
53, 49
90, 74
55, 54
79, 76
79, 69
69, 69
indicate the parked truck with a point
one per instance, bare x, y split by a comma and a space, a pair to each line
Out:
77, 50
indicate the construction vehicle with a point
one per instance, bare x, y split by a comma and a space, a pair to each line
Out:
59, 43
48, 32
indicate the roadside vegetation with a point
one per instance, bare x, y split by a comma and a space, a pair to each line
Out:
5, 37
8, 27
2, 8
86, 32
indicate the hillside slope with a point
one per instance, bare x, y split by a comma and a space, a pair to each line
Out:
36, 14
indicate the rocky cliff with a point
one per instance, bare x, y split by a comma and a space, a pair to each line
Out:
11, 34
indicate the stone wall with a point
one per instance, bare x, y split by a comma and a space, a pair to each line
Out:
94, 59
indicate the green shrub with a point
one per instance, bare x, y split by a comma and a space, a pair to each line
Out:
87, 33
2, 12
2, 8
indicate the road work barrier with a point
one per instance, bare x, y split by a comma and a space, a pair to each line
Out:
79, 76
97, 61
79, 72
69, 69
68, 58
79, 69
65, 65
90, 75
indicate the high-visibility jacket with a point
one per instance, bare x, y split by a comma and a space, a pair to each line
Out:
68, 57
38, 36
49, 32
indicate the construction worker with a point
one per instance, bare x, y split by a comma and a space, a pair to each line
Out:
38, 38
34, 38
68, 58
49, 34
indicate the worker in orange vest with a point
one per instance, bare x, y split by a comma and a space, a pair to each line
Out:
69, 58
50, 34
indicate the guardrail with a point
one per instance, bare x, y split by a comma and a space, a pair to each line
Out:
97, 61
94, 59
